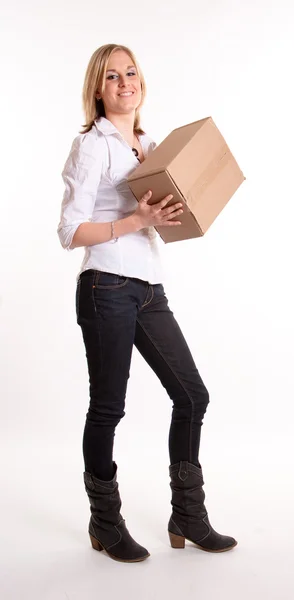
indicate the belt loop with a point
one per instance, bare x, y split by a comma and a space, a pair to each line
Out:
96, 278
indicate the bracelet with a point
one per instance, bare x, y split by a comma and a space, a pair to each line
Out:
112, 232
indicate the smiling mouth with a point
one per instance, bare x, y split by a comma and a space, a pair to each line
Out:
126, 94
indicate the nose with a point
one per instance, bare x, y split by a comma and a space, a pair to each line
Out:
123, 81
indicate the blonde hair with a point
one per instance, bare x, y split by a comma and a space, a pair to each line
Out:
95, 79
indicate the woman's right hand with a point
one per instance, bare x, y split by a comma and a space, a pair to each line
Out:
156, 214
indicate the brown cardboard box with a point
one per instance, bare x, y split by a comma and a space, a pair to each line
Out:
194, 164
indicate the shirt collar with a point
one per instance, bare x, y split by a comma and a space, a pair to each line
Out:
107, 128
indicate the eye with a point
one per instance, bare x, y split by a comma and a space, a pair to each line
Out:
131, 73
111, 76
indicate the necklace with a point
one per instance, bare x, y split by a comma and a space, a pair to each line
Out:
136, 153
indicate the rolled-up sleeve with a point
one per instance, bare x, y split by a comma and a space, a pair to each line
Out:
81, 176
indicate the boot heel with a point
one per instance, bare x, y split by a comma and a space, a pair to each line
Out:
177, 541
95, 544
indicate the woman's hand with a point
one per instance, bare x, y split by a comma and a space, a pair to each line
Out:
156, 214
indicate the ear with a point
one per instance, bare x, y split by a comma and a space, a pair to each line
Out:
98, 96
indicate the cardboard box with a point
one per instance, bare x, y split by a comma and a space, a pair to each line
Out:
194, 164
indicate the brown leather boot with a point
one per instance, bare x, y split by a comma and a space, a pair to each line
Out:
189, 519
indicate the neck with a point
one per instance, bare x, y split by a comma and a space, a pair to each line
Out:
124, 124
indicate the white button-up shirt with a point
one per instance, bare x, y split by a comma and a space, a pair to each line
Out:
96, 189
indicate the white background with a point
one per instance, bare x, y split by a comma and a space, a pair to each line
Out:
231, 291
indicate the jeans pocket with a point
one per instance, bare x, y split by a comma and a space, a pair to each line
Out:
109, 281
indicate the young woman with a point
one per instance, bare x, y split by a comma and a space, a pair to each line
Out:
120, 302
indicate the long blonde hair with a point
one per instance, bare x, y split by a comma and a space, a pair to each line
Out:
95, 79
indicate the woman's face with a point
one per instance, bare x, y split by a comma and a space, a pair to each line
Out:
122, 93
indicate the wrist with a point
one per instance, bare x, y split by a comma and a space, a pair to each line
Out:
137, 223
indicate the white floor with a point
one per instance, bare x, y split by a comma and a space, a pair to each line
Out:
46, 552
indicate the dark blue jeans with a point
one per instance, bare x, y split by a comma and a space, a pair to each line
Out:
115, 313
